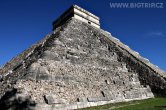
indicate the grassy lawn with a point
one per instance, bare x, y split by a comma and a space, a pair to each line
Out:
149, 104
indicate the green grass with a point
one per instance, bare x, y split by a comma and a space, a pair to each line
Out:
149, 104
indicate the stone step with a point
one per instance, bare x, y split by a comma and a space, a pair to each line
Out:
97, 99
139, 93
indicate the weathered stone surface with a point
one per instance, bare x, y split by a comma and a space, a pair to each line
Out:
97, 99
52, 99
80, 61
83, 99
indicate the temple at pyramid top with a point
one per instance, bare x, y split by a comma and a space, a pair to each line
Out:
78, 13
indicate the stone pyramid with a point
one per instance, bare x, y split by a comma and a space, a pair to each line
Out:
77, 65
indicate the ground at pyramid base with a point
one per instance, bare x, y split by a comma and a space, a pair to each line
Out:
78, 65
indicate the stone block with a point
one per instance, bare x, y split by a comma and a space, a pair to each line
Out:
83, 99
133, 94
80, 105
71, 107
52, 99
92, 104
108, 95
43, 77
102, 103
43, 70
43, 106
93, 99
86, 104
97, 99
150, 94
51, 55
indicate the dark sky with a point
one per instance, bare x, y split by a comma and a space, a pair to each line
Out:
24, 22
